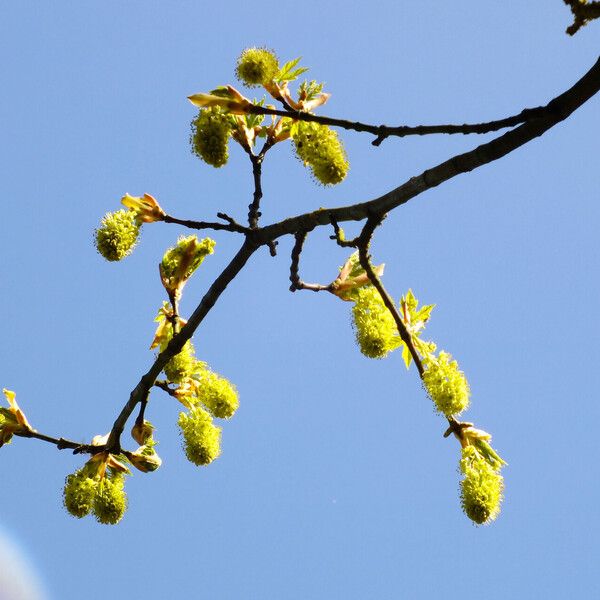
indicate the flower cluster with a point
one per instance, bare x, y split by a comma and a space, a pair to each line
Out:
204, 393
201, 438
319, 147
98, 487
481, 488
257, 66
117, 235
375, 328
182, 365
446, 384
226, 112
210, 136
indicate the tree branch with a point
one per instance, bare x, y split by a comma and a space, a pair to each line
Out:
141, 391
384, 131
231, 225
555, 111
583, 13
60, 443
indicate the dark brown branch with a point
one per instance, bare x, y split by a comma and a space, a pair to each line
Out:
384, 131
164, 385
555, 112
231, 225
253, 210
141, 391
297, 283
61, 443
582, 14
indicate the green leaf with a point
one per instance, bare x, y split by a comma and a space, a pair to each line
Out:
406, 355
295, 74
283, 74
424, 313
221, 91
490, 455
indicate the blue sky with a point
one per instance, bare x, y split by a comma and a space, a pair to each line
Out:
335, 481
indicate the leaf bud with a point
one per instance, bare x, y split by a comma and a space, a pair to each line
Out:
201, 438
142, 432
146, 208
352, 276
180, 261
117, 235
12, 419
145, 458
446, 384
257, 66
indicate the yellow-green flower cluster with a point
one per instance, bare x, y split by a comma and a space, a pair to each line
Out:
182, 365
482, 486
79, 493
217, 394
110, 501
319, 147
257, 66
210, 136
117, 235
86, 491
446, 384
201, 438
375, 328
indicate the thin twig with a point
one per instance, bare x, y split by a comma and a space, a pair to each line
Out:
60, 443
297, 283
230, 226
384, 131
339, 237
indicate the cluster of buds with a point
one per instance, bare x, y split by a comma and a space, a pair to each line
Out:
12, 419
180, 261
225, 111
145, 458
